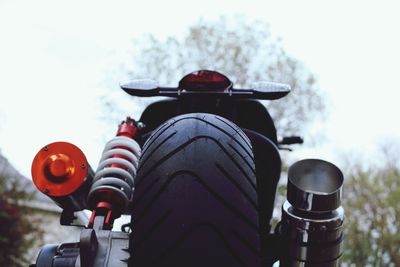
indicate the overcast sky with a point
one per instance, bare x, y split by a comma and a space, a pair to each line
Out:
56, 55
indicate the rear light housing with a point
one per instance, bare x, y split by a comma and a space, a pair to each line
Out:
205, 80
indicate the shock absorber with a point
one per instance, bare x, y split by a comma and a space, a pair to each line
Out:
112, 189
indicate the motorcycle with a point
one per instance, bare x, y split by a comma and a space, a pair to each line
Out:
197, 173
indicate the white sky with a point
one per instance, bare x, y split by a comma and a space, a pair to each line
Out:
54, 56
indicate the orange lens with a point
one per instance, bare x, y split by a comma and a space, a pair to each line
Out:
59, 169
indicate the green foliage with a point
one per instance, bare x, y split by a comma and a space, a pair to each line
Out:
18, 231
244, 50
372, 225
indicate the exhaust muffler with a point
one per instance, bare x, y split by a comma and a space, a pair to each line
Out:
312, 215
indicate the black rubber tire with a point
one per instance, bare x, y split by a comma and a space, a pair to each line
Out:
195, 199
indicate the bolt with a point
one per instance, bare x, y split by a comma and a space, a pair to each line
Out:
140, 125
46, 191
83, 166
46, 148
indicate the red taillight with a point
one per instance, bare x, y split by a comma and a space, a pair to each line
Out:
59, 169
205, 80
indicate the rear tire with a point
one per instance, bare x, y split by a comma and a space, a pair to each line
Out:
195, 199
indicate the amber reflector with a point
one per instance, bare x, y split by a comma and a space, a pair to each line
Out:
59, 169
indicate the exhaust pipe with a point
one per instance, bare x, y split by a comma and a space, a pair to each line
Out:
312, 216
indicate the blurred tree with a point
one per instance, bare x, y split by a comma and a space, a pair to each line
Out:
245, 51
18, 233
372, 226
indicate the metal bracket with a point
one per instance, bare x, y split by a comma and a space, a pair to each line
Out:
88, 247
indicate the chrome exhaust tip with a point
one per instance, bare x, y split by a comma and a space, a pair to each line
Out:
314, 185
312, 216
